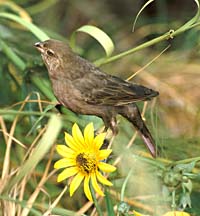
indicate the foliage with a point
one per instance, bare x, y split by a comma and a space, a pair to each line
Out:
165, 58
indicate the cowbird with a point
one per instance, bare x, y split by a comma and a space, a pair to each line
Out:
83, 88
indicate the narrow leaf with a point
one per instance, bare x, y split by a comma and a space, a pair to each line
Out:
98, 34
30, 26
53, 128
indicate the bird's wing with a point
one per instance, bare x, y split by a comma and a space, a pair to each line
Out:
99, 88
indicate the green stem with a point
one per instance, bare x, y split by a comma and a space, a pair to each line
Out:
95, 201
128, 52
169, 35
150, 161
16, 112
173, 200
188, 160
124, 185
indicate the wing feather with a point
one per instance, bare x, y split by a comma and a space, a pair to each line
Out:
100, 88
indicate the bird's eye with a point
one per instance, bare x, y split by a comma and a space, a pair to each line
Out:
50, 53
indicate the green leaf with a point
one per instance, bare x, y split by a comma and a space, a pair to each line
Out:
12, 55
30, 26
96, 33
124, 185
109, 204
140, 11
185, 200
53, 128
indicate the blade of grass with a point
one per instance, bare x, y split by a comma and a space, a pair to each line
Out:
169, 35
53, 128
17, 9
109, 204
12, 56
124, 185
22, 203
53, 205
30, 26
40, 6
96, 33
140, 11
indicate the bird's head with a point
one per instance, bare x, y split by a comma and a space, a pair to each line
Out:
53, 52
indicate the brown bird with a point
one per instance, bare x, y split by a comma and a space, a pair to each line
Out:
85, 89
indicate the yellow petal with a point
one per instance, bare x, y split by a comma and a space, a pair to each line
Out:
66, 173
65, 151
103, 154
64, 162
106, 167
87, 188
89, 134
75, 183
71, 142
102, 179
176, 213
98, 140
77, 135
138, 214
95, 185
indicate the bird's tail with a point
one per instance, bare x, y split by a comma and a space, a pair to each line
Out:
132, 113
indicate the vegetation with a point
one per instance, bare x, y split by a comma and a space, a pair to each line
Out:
155, 43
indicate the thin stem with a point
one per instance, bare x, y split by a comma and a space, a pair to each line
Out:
153, 162
16, 112
188, 160
128, 52
124, 185
95, 201
173, 200
169, 35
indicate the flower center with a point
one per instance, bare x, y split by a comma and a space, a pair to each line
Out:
86, 162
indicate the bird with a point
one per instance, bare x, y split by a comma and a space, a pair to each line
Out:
85, 89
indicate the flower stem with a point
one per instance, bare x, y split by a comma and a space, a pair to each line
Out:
95, 201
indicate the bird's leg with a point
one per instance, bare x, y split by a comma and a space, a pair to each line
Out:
111, 122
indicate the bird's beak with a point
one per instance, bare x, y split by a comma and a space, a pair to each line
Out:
39, 46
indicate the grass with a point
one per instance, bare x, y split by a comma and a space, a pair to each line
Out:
30, 125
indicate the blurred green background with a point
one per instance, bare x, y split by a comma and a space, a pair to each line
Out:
173, 118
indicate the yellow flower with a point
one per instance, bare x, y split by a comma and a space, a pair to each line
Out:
176, 213
135, 213
82, 159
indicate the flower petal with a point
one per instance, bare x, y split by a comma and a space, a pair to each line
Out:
98, 140
103, 154
77, 135
95, 185
139, 214
102, 179
66, 173
75, 183
176, 213
65, 151
89, 134
64, 162
106, 167
71, 142
87, 188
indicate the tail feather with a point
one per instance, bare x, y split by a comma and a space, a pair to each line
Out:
147, 138
132, 113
